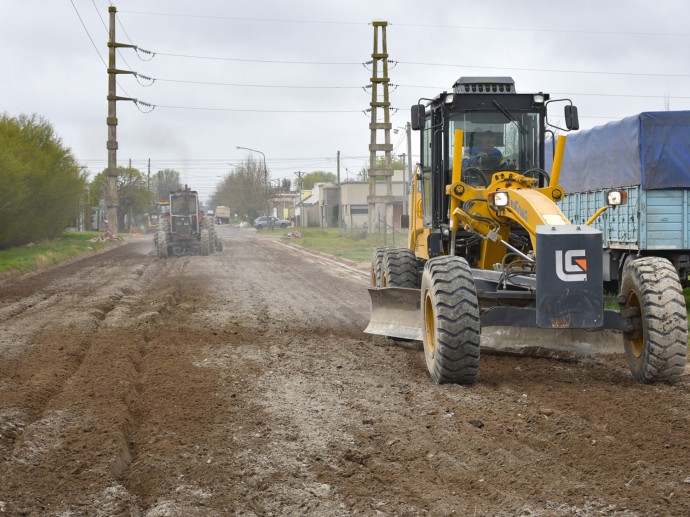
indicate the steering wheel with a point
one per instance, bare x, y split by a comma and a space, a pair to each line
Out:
536, 172
474, 172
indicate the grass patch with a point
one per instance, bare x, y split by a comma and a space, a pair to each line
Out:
354, 246
46, 253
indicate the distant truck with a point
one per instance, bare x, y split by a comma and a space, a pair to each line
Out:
649, 156
222, 215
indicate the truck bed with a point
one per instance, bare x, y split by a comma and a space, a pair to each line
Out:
650, 220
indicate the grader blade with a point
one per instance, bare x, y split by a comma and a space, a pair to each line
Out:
395, 312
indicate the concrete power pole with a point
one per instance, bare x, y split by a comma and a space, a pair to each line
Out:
299, 204
380, 198
340, 201
111, 195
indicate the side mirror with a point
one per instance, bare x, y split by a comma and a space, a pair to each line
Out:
571, 120
418, 117
404, 220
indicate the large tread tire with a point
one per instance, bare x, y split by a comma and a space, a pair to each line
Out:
162, 245
399, 268
377, 267
652, 295
212, 240
450, 321
205, 242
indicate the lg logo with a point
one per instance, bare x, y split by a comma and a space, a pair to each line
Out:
571, 267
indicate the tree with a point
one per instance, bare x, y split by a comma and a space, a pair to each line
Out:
396, 163
312, 178
243, 190
164, 182
133, 193
40, 181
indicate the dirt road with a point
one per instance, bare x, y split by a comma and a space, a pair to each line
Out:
242, 384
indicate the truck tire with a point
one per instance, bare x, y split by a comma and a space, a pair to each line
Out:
377, 267
205, 242
450, 321
657, 349
399, 268
162, 245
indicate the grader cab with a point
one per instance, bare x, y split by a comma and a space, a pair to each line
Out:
488, 246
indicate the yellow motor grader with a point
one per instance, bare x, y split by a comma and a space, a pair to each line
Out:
488, 245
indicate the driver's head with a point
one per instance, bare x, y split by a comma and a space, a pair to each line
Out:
487, 139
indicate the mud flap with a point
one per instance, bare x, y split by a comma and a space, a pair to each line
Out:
395, 312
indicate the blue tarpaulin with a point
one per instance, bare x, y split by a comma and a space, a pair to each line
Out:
651, 149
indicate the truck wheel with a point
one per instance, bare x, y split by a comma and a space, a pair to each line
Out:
657, 349
400, 268
377, 267
205, 242
162, 244
450, 321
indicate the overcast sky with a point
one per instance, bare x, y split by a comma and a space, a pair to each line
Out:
287, 78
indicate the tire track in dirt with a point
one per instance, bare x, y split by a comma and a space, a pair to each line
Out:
41, 410
63, 338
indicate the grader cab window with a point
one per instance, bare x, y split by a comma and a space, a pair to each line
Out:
492, 142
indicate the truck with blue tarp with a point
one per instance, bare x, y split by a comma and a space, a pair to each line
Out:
648, 156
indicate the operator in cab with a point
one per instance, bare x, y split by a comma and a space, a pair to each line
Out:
483, 153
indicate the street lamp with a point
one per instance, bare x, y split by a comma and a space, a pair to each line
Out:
268, 208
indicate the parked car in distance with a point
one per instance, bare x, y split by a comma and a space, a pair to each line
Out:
270, 222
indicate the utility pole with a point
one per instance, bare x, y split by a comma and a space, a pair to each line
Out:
404, 178
111, 194
340, 202
299, 190
380, 174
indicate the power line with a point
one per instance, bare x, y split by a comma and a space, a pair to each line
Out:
211, 83
271, 61
244, 110
239, 19
93, 43
426, 87
522, 29
550, 70
502, 28
419, 63
88, 34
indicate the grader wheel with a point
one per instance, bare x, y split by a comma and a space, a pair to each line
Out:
399, 268
450, 321
657, 349
377, 267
